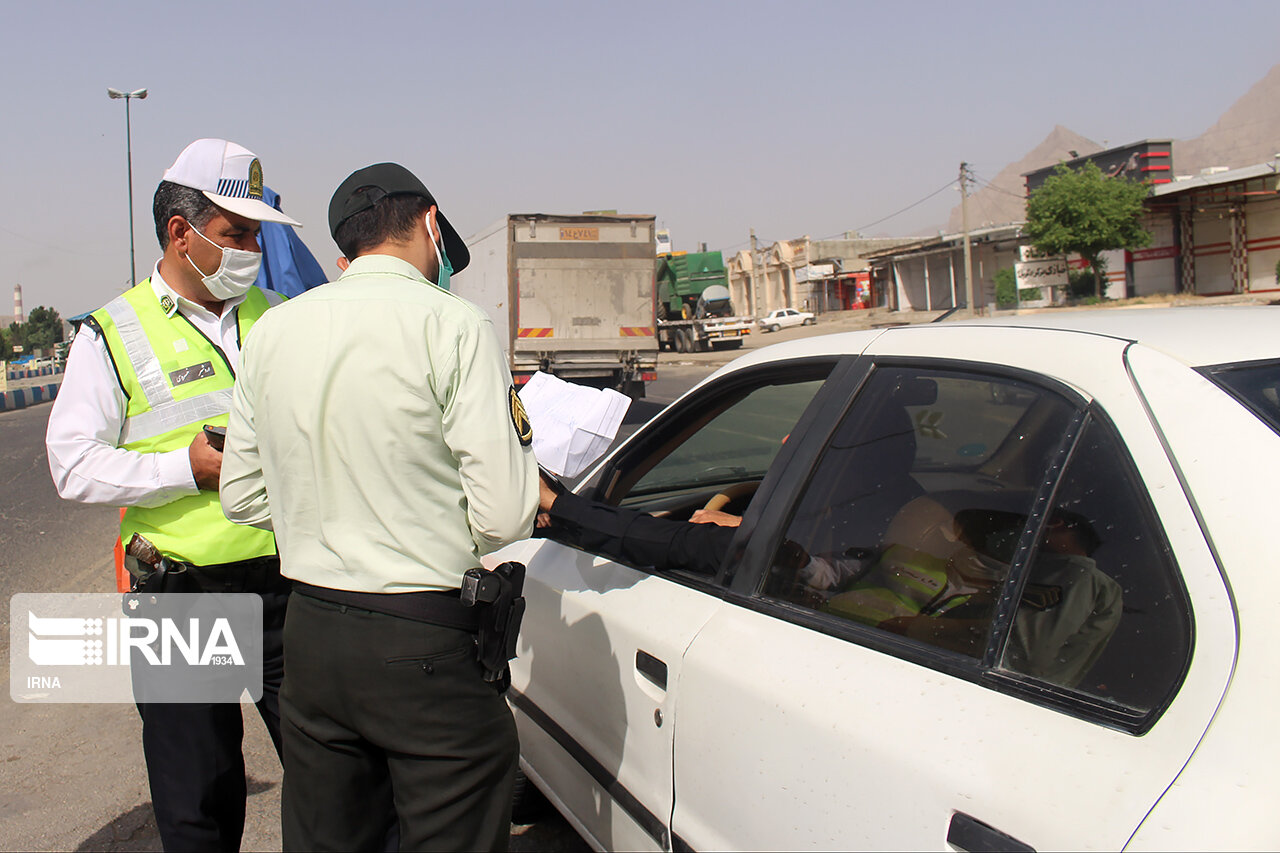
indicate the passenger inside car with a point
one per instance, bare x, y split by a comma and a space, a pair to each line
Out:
1059, 635
930, 583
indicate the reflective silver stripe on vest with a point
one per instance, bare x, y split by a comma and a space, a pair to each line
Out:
166, 413
174, 414
145, 364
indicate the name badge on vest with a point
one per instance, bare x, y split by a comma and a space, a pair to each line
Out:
190, 374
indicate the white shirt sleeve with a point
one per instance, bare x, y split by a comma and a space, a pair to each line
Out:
83, 433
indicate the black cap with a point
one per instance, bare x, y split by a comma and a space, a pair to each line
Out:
379, 181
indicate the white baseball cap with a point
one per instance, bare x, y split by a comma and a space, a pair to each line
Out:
229, 175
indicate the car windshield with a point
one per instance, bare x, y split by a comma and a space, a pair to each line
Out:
1255, 384
738, 443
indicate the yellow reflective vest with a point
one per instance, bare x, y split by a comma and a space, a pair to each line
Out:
904, 582
176, 380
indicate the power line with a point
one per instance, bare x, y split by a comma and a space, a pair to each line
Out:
990, 185
948, 185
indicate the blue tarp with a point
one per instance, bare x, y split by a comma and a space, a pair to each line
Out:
288, 267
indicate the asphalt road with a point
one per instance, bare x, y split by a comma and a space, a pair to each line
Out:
72, 776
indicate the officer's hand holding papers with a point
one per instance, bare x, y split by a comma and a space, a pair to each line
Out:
572, 425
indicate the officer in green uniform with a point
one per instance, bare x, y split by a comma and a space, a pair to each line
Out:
148, 371
375, 429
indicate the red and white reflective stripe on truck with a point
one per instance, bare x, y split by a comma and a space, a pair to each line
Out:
533, 332
635, 331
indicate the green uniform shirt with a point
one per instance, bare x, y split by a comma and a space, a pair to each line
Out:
373, 429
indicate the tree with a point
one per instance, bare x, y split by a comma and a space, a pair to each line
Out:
1088, 213
43, 328
14, 336
1008, 294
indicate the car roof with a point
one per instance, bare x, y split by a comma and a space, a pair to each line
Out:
1196, 336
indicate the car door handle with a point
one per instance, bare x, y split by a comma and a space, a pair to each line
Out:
969, 833
651, 668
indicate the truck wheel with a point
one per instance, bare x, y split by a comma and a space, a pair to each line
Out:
682, 341
633, 388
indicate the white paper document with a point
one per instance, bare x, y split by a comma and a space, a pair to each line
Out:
573, 425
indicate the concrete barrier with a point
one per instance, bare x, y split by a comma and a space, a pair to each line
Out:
33, 373
20, 398
15, 399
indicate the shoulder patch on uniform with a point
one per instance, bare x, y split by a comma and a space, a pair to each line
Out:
520, 419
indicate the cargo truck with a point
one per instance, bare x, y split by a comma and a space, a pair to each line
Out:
694, 311
571, 295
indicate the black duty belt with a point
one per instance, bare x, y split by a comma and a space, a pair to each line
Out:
433, 607
258, 574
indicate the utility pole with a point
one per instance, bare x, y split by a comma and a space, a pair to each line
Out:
964, 223
755, 280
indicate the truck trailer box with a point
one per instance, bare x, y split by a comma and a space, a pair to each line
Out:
572, 295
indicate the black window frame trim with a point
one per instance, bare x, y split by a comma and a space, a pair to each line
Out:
1214, 372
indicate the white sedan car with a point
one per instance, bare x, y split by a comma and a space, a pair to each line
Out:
784, 317
992, 591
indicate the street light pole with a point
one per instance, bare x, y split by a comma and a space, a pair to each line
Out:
128, 144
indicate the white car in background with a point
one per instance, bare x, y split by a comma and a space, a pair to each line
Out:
783, 318
1000, 586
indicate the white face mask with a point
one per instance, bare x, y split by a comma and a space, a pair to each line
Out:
236, 274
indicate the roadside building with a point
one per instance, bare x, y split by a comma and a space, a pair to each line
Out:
1213, 234
1150, 160
928, 274
807, 274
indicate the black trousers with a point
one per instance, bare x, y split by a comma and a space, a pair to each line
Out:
388, 719
195, 765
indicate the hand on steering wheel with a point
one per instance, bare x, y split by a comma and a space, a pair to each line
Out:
729, 494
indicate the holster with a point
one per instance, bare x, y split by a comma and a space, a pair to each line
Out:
168, 576
499, 594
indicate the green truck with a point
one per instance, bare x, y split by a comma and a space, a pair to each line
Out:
694, 310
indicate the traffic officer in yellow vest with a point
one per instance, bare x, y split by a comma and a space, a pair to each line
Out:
145, 374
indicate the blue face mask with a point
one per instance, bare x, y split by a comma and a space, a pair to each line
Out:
442, 262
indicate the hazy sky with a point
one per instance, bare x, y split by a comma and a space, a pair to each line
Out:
796, 118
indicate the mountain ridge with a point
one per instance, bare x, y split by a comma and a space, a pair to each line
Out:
1248, 132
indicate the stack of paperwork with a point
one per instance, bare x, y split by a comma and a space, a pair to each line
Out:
572, 425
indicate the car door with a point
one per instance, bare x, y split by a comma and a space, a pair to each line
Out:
1046, 700
602, 643
589, 687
